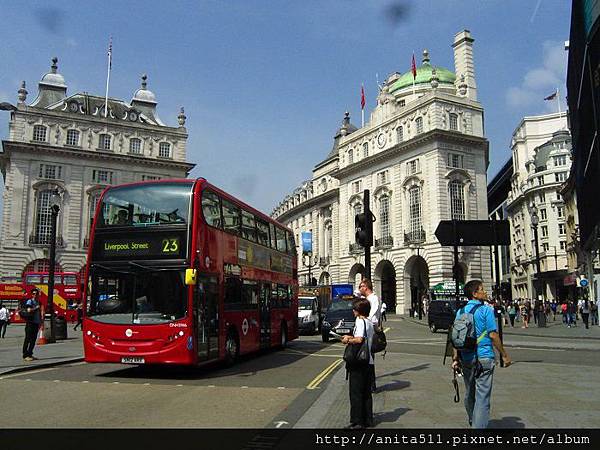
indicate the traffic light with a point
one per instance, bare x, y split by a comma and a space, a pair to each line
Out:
363, 224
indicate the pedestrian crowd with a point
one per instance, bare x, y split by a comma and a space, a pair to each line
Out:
522, 311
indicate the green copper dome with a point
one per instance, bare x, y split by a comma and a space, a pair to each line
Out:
424, 73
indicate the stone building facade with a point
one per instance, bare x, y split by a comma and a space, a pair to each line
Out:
541, 153
424, 158
74, 146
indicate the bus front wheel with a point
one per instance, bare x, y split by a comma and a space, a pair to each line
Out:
232, 348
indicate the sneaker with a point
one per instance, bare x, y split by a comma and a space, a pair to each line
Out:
28, 358
34, 358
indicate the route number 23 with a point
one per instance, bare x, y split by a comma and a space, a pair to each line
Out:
170, 245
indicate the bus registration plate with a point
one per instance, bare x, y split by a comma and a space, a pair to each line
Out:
132, 360
343, 330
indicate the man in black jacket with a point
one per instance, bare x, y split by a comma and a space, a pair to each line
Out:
33, 319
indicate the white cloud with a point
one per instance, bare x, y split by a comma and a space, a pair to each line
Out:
539, 82
71, 42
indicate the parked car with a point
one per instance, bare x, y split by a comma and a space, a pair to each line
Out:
441, 313
339, 317
308, 315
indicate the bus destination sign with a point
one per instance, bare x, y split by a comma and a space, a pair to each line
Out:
145, 246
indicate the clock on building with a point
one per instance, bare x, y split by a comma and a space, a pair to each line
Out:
74, 107
381, 140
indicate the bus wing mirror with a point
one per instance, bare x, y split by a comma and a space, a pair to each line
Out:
190, 277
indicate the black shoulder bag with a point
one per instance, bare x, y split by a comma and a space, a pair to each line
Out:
358, 355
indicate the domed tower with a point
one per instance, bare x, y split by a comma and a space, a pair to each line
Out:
408, 87
145, 101
51, 88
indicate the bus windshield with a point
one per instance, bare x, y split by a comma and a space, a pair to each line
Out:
146, 205
137, 297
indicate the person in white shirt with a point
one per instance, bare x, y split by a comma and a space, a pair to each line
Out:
4, 316
383, 309
366, 289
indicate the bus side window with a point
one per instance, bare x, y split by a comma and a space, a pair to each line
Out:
211, 209
283, 295
262, 229
233, 293
248, 226
274, 298
272, 233
281, 246
291, 245
231, 218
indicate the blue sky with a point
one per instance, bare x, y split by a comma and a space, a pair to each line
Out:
265, 83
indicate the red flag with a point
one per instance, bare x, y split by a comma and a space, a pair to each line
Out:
362, 97
414, 67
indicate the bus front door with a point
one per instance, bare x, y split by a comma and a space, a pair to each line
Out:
208, 318
265, 315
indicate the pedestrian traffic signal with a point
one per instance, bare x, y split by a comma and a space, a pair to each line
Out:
363, 224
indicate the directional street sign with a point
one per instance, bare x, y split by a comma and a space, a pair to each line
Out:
473, 232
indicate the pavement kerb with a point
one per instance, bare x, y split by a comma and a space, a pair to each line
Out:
40, 366
553, 336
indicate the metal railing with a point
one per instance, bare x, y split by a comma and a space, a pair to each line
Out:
415, 237
356, 248
43, 240
384, 242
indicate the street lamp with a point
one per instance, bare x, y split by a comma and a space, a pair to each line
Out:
535, 220
54, 210
308, 261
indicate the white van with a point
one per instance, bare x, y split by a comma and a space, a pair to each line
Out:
308, 314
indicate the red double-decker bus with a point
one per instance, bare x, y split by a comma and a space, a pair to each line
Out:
179, 272
67, 291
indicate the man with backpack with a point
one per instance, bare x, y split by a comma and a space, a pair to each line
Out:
474, 336
30, 311
366, 290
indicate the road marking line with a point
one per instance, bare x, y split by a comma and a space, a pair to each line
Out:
116, 382
29, 372
211, 386
387, 329
146, 384
85, 381
281, 387
324, 374
244, 387
56, 381
180, 385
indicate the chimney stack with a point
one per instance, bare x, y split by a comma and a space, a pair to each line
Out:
463, 62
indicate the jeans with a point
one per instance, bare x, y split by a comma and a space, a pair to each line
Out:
31, 332
3, 324
478, 392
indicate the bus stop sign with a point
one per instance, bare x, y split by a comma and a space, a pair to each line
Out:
473, 232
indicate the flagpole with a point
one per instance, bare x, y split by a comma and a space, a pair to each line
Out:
558, 100
108, 77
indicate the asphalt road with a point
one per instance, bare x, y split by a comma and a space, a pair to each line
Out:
272, 389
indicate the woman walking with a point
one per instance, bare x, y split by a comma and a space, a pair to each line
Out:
512, 313
585, 313
361, 400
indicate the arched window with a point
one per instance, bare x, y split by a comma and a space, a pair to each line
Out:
43, 217
39, 133
329, 240
72, 138
135, 146
164, 150
104, 142
93, 199
350, 156
41, 265
384, 216
419, 124
366, 149
399, 134
453, 121
415, 220
457, 200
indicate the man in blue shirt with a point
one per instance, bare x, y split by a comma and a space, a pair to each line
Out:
33, 320
478, 367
